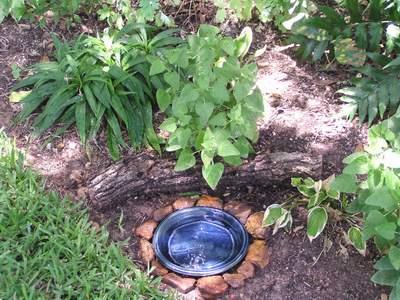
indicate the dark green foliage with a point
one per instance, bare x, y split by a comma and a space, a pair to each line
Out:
375, 174
99, 81
365, 37
48, 248
210, 99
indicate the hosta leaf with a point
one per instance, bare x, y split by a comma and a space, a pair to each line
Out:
272, 214
16, 97
356, 238
186, 160
316, 221
243, 42
212, 174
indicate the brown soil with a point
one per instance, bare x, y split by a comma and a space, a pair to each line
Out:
302, 115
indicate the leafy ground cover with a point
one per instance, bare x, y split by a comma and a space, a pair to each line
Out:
50, 250
358, 34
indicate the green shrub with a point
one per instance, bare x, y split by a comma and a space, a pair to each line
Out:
278, 11
37, 8
49, 250
99, 80
118, 12
364, 35
210, 100
373, 178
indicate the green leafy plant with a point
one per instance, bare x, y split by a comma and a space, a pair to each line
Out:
15, 8
98, 80
210, 101
279, 11
365, 36
372, 178
50, 250
119, 12
38, 8
321, 200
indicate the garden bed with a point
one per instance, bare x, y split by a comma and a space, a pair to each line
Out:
302, 115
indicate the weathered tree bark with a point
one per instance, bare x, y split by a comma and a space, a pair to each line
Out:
142, 175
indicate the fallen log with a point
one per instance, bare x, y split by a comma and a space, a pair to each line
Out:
145, 174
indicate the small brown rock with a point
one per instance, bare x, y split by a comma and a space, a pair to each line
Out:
158, 269
184, 285
59, 146
183, 202
209, 201
254, 225
258, 254
146, 229
212, 287
76, 175
239, 209
234, 280
146, 251
162, 212
81, 193
247, 269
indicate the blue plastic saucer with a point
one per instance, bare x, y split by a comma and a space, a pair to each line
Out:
200, 241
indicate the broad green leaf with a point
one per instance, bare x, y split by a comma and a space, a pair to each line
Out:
186, 160
212, 174
204, 110
163, 99
345, 183
272, 214
17, 9
226, 148
172, 78
157, 66
316, 221
241, 90
183, 135
243, 42
356, 238
381, 198
168, 125
207, 157
386, 230
4, 9
394, 256
234, 161
347, 53
388, 277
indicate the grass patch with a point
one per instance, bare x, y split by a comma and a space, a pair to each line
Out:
48, 250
